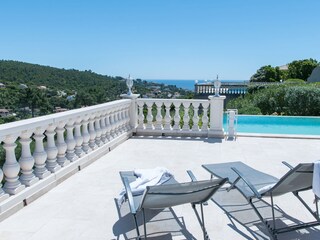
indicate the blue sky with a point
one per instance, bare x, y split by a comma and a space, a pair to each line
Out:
161, 39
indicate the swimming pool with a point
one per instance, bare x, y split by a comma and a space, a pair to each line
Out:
277, 124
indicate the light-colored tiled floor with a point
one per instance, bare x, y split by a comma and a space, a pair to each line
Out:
83, 207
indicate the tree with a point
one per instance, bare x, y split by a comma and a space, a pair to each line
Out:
301, 69
33, 98
267, 74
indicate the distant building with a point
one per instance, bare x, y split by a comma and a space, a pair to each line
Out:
23, 86
4, 112
61, 93
71, 97
2, 85
315, 75
284, 67
42, 87
59, 109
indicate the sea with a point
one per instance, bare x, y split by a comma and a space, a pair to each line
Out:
186, 84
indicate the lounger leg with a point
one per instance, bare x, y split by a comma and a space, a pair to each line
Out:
316, 215
272, 208
201, 221
262, 219
317, 207
137, 227
144, 224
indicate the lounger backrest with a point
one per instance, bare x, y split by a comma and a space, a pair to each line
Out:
176, 194
297, 179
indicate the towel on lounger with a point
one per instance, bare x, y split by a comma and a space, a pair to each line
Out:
146, 177
316, 179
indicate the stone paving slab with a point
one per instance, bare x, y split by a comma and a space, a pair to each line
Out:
83, 206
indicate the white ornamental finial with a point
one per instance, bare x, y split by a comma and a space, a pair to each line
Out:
217, 85
129, 83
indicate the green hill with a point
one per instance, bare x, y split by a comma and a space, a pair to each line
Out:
49, 88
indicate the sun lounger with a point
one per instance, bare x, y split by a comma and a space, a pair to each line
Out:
253, 184
169, 194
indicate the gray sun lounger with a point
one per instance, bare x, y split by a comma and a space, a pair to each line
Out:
253, 184
169, 194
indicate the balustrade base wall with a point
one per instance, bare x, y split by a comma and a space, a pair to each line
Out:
12, 204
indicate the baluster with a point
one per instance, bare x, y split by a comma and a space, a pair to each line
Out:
205, 118
149, 124
78, 137
85, 135
177, 116
167, 117
141, 115
51, 150
124, 119
11, 167
186, 117
98, 130
103, 128
61, 145
71, 143
127, 117
26, 160
111, 120
119, 121
158, 124
92, 132
195, 118
108, 126
3, 195
116, 122
40, 155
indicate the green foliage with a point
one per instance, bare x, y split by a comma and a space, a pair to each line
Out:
244, 105
285, 99
303, 101
301, 69
294, 81
267, 74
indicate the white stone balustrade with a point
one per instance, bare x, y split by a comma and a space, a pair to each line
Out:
58, 140
55, 146
181, 117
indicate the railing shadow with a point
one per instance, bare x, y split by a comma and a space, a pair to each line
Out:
239, 212
162, 224
200, 139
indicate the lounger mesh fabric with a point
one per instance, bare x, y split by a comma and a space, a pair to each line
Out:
169, 194
257, 178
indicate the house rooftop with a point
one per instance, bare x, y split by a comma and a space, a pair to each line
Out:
84, 206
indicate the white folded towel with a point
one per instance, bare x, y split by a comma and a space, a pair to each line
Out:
146, 177
316, 179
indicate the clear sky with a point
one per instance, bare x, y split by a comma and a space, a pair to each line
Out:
161, 39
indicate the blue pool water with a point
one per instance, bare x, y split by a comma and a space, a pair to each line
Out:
277, 125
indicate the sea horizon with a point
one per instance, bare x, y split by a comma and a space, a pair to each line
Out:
187, 83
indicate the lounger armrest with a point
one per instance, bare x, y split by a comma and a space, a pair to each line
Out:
287, 164
249, 184
129, 195
191, 175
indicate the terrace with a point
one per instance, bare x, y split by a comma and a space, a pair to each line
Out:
65, 187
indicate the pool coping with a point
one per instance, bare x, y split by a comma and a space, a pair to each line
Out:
269, 135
